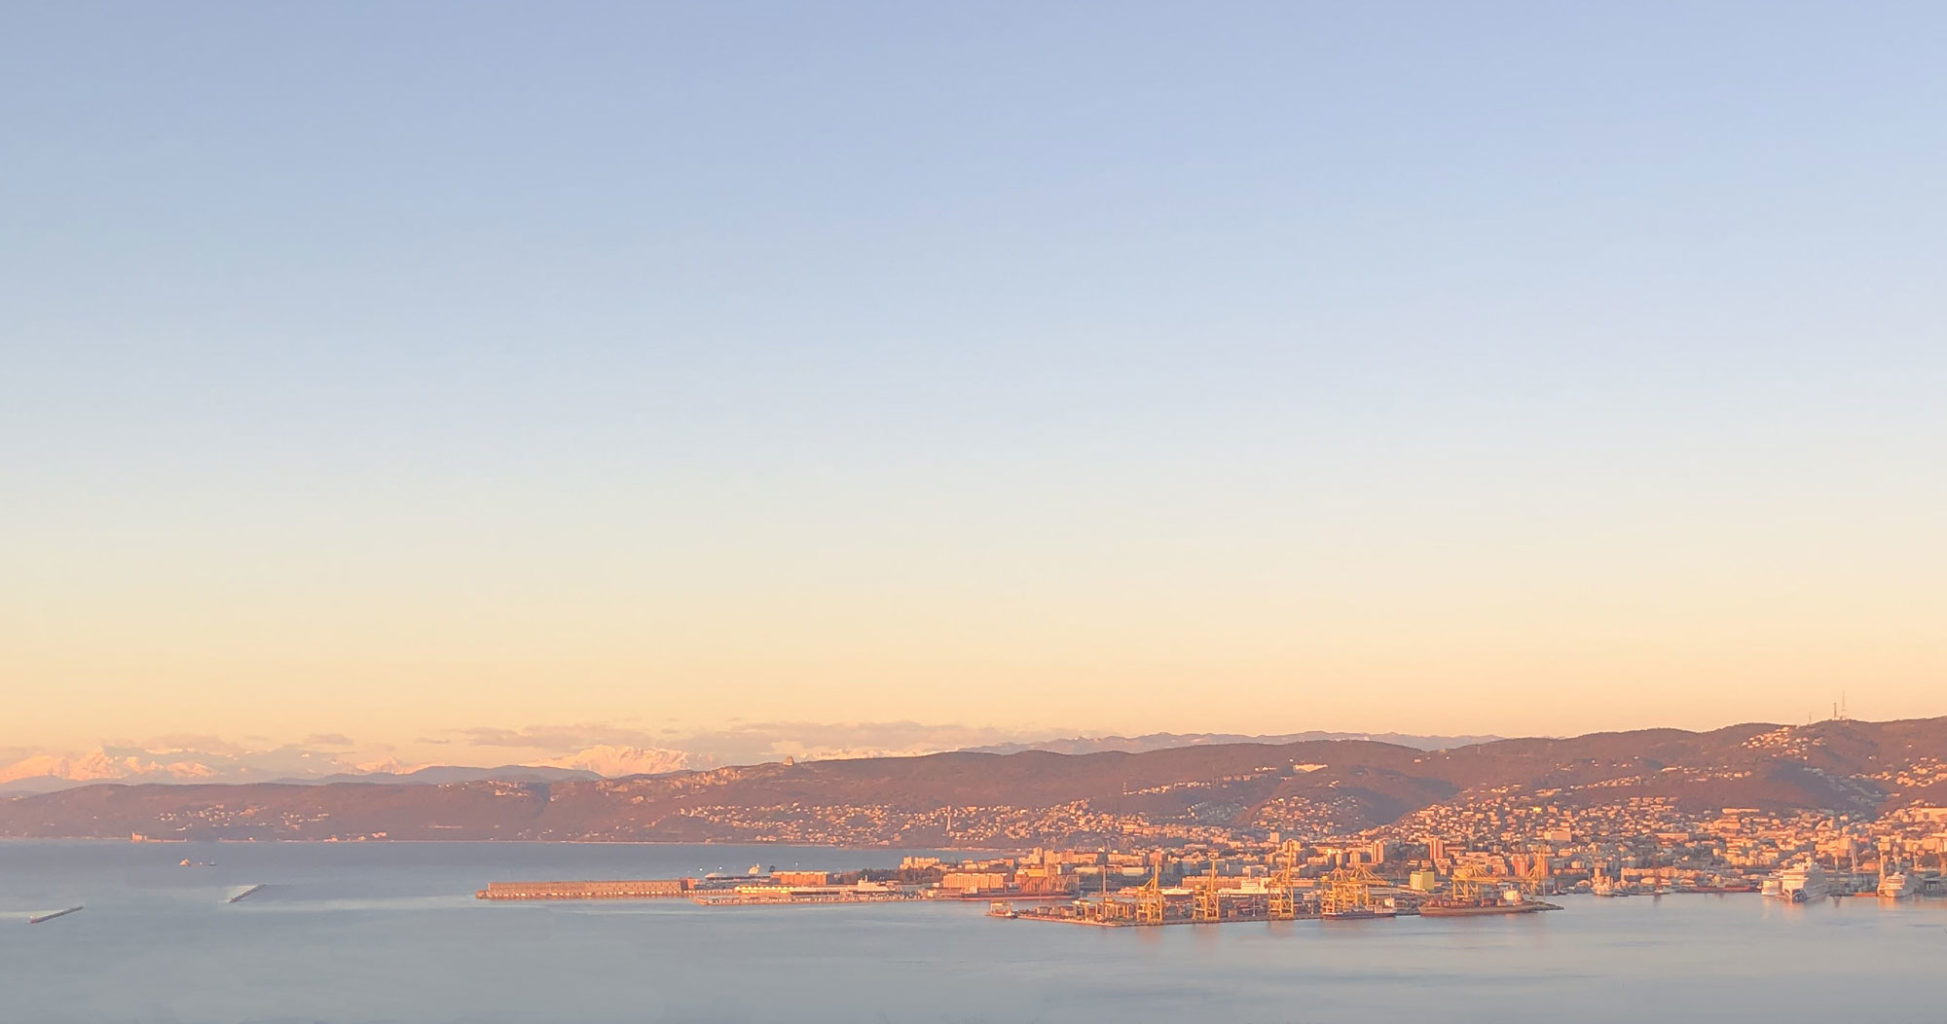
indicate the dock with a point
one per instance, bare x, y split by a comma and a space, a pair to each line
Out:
616, 889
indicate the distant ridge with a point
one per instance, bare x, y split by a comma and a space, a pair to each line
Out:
446, 774
431, 775
1169, 740
1343, 787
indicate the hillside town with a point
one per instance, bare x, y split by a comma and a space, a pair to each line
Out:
1639, 844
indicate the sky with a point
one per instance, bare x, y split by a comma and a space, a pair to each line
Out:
440, 377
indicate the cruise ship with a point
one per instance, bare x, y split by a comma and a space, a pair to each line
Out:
1898, 886
1801, 883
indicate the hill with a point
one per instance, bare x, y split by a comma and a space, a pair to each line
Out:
1316, 787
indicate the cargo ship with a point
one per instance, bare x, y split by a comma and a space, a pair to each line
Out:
1358, 914
1511, 901
1483, 909
38, 918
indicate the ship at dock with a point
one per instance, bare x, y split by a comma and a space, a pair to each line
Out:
1800, 883
1511, 903
1897, 885
1482, 897
1484, 909
1358, 914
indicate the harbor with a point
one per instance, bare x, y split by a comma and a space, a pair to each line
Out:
1342, 895
678, 960
1281, 880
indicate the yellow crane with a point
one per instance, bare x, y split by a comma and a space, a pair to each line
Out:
1207, 907
1348, 890
1538, 881
1281, 900
1149, 899
1107, 908
1474, 884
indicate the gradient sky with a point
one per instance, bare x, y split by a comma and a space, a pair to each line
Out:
394, 369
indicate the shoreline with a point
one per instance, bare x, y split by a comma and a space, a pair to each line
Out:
1003, 851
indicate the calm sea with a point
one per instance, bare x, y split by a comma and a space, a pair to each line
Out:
391, 932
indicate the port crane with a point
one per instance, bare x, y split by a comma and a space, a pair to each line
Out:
1474, 884
1149, 898
1206, 906
1538, 881
1281, 899
1348, 890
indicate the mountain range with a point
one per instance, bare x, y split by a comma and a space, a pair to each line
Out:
212, 761
1028, 797
1166, 740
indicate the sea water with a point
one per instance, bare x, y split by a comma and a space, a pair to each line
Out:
392, 932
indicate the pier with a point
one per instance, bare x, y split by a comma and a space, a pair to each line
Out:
617, 889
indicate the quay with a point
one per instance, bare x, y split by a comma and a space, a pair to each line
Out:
767, 895
1098, 915
621, 889
784, 887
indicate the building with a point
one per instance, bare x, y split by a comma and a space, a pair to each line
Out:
974, 881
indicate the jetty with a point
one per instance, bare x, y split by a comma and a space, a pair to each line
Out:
616, 889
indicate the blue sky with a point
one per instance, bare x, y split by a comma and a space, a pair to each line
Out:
528, 364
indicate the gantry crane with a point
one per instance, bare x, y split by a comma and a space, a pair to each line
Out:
1538, 881
1474, 884
1207, 907
1281, 899
1149, 899
1105, 907
1348, 890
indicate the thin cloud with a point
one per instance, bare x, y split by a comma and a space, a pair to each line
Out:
196, 743
557, 739
742, 742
